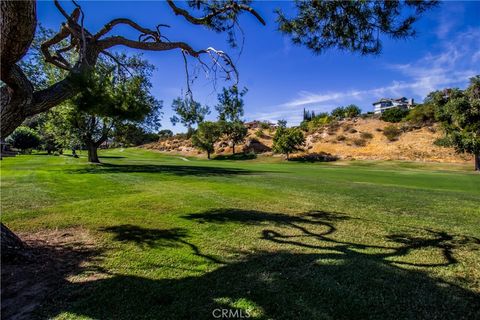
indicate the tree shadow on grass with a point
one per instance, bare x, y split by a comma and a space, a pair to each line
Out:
236, 156
112, 157
155, 238
310, 275
41, 268
178, 170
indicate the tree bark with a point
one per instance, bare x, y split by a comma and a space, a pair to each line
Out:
92, 149
233, 148
208, 155
476, 159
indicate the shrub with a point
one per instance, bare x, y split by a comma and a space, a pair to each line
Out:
264, 125
392, 132
315, 157
352, 130
443, 142
338, 113
352, 111
422, 115
341, 138
259, 133
394, 115
24, 138
366, 135
318, 122
359, 142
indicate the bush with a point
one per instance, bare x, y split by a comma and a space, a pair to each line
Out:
264, 125
352, 130
318, 122
338, 113
341, 138
422, 115
392, 133
366, 135
443, 142
394, 115
360, 142
352, 111
259, 133
24, 138
315, 157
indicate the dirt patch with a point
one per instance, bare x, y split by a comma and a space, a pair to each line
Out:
51, 256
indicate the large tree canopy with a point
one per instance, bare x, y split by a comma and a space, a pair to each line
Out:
459, 112
19, 98
349, 25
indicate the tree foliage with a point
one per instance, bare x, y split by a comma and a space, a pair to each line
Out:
206, 135
24, 138
234, 131
230, 104
288, 140
394, 115
351, 25
338, 112
459, 113
352, 111
423, 114
188, 112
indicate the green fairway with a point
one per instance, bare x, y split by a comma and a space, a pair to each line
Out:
178, 238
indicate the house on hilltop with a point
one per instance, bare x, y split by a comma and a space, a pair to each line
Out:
388, 103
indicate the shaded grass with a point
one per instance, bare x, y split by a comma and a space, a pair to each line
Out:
279, 240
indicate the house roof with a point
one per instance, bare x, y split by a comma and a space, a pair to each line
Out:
402, 99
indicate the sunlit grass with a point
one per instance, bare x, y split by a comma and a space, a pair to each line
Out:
178, 238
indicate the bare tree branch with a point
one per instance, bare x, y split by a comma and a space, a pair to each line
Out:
236, 7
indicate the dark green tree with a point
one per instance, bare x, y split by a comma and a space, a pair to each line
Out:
206, 135
338, 113
132, 134
352, 111
288, 140
230, 104
394, 115
165, 134
234, 131
188, 112
111, 97
355, 26
24, 138
459, 113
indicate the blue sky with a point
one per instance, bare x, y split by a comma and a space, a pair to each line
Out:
283, 78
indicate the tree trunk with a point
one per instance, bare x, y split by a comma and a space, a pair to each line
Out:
233, 148
476, 159
11, 244
287, 156
92, 153
208, 155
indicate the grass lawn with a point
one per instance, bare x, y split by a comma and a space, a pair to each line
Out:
177, 239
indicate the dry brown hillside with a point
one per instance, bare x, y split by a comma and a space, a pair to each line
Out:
349, 139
